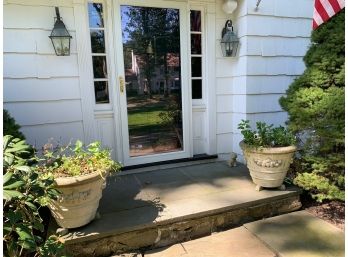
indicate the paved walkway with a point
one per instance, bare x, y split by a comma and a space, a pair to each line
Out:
297, 234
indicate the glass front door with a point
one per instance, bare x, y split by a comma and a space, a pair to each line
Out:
151, 45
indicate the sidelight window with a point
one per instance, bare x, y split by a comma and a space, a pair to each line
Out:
99, 57
196, 37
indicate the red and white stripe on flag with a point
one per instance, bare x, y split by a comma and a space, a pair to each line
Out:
324, 10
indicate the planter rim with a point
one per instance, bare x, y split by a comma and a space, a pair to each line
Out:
80, 179
270, 150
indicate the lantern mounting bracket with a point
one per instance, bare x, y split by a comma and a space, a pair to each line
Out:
57, 13
228, 27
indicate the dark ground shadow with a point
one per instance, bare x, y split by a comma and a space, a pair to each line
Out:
119, 205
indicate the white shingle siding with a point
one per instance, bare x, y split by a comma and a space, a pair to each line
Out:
41, 90
47, 94
274, 40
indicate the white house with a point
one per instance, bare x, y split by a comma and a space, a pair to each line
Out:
86, 96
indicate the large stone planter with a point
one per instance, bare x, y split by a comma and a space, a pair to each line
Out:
78, 203
268, 166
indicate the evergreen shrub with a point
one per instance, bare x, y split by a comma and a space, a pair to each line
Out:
10, 126
315, 104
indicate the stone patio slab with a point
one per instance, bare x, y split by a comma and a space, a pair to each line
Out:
175, 191
299, 234
158, 211
163, 177
235, 242
126, 195
151, 210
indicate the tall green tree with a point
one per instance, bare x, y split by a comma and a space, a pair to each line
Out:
315, 104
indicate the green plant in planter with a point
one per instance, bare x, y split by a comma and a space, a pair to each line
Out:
266, 135
79, 174
75, 160
268, 152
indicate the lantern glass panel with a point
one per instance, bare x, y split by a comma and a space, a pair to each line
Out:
66, 46
61, 45
229, 46
234, 48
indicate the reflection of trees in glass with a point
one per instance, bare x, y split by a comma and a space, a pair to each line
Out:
96, 15
171, 116
156, 25
99, 67
97, 41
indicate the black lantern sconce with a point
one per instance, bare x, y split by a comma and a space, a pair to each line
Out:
229, 40
60, 37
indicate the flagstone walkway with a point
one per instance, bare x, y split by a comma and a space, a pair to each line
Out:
297, 234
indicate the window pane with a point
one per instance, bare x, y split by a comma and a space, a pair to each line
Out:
195, 19
95, 12
97, 41
101, 91
196, 67
99, 67
196, 45
196, 89
153, 79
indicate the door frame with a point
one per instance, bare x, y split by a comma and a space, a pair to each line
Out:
120, 101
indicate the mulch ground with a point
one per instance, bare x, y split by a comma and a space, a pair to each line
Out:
330, 211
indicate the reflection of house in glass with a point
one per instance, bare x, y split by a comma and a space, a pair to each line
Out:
161, 81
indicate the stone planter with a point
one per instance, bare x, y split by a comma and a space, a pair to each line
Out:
79, 201
268, 166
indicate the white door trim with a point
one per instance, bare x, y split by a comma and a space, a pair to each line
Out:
121, 101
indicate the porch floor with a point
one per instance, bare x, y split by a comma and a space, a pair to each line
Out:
160, 207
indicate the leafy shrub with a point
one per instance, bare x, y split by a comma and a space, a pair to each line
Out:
76, 160
171, 116
25, 191
10, 126
265, 135
315, 103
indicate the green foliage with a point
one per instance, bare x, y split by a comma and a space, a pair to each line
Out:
77, 160
24, 192
171, 116
10, 126
315, 103
265, 135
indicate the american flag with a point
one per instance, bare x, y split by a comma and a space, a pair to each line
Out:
324, 10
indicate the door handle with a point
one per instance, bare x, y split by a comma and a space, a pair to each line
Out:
121, 80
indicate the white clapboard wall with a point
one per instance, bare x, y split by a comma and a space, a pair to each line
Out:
51, 96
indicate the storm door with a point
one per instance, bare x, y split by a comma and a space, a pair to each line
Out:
153, 81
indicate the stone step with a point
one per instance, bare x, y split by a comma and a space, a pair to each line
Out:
176, 205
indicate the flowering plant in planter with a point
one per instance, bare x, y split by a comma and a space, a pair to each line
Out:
79, 174
268, 152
